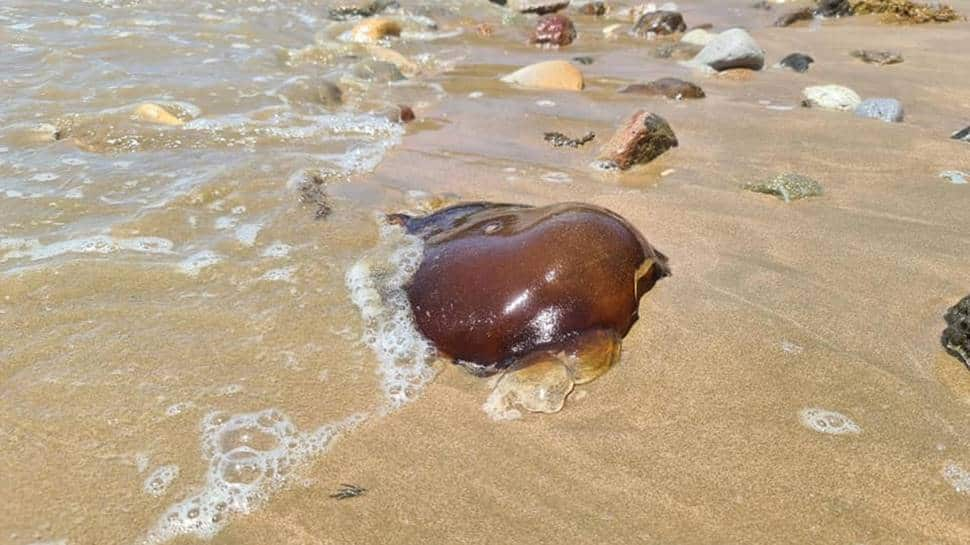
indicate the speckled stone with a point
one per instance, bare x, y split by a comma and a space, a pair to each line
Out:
787, 187
889, 110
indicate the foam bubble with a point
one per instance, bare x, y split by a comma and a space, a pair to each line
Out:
158, 482
829, 422
284, 274
178, 408
958, 477
277, 249
250, 456
246, 234
196, 262
100, 244
376, 283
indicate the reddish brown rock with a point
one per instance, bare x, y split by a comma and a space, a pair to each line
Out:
554, 31
643, 138
407, 114
669, 87
792, 17
659, 22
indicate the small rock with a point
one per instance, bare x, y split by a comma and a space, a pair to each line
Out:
644, 137
787, 187
35, 133
762, 4
681, 51
956, 336
834, 8
962, 134
792, 17
407, 114
732, 48
548, 75
374, 30
797, 62
889, 110
405, 65
659, 23
374, 70
877, 57
153, 113
831, 97
559, 139
592, 8
698, 36
583, 60
310, 91
350, 9
484, 29
554, 31
539, 7
674, 88
955, 177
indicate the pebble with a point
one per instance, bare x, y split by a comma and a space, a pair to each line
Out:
797, 62
311, 91
375, 30
349, 9
375, 70
681, 51
554, 30
698, 36
674, 88
956, 177
787, 187
737, 74
834, 8
889, 110
643, 138
153, 113
539, 7
406, 66
956, 336
962, 134
548, 75
831, 97
792, 17
732, 48
877, 57
659, 23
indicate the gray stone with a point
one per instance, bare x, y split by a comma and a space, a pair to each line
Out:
372, 70
659, 23
889, 110
962, 134
797, 62
787, 187
732, 48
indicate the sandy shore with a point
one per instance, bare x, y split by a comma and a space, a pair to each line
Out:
832, 303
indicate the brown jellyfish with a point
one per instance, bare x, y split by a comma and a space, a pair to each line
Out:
542, 295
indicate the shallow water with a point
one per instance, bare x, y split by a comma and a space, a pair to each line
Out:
180, 335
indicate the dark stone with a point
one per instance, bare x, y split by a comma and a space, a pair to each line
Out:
374, 70
583, 60
834, 8
962, 134
498, 282
873, 56
792, 17
592, 8
499, 2
643, 138
762, 4
541, 7
407, 114
956, 336
554, 31
797, 62
669, 87
659, 22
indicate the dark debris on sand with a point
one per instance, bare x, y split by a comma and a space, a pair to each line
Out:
313, 191
956, 336
560, 140
348, 491
905, 11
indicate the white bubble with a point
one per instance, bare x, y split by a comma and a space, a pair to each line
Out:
284, 274
958, 477
250, 456
277, 249
829, 422
193, 264
158, 482
246, 234
376, 283
44, 177
178, 408
97, 245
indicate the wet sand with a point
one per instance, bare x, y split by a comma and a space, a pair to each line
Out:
695, 437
